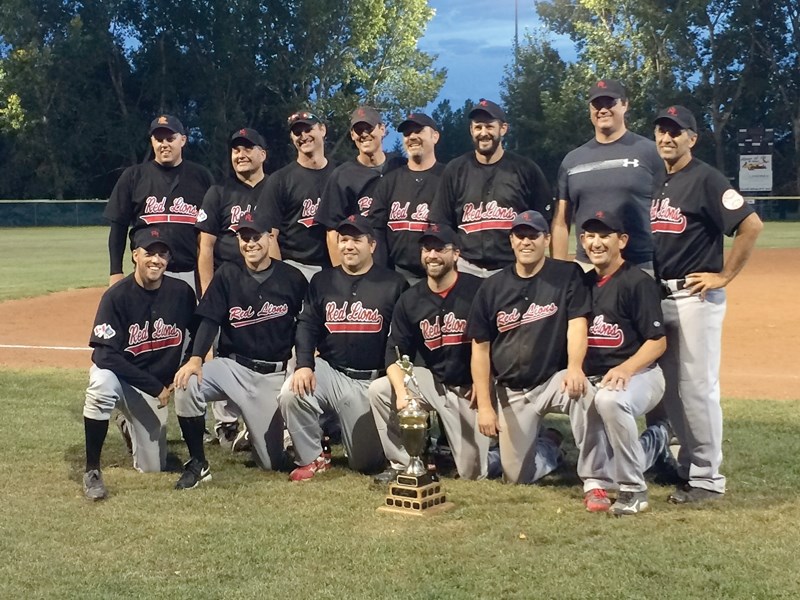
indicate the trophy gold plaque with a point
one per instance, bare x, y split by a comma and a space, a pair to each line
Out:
415, 491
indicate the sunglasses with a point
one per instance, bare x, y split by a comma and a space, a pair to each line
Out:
604, 102
527, 235
673, 132
248, 237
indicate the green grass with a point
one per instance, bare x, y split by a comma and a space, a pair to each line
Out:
251, 534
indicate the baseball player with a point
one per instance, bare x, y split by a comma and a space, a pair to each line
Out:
626, 338
528, 326
613, 171
292, 196
693, 206
223, 206
254, 306
430, 320
351, 185
137, 338
346, 318
483, 191
403, 197
167, 191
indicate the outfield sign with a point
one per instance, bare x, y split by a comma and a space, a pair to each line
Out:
755, 172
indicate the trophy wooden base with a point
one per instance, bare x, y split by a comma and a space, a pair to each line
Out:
418, 496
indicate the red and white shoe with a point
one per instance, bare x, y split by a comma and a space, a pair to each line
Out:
596, 500
321, 463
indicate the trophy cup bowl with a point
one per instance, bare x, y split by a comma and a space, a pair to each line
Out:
413, 430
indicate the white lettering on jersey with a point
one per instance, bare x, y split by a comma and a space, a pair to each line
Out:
605, 335
164, 335
536, 312
665, 218
449, 332
480, 218
355, 320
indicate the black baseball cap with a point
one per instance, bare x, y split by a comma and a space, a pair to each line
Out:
532, 219
603, 220
607, 88
356, 223
149, 236
488, 107
255, 220
168, 122
365, 114
441, 233
251, 136
303, 116
680, 115
420, 119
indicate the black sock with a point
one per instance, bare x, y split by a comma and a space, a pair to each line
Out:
95, 438
193, 429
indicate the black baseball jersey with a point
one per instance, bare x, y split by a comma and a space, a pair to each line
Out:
349, 189
526, 319
257, 320
149, 194
691, 211
626, 312
400, 206
292, 197
146, 328
480, 202
617, 177
423, 322
346, 317
223, 206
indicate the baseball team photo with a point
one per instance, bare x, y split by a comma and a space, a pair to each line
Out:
394, 299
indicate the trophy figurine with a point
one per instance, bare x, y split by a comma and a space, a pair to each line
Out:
414, 491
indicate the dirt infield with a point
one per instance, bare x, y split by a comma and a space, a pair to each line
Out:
759, 333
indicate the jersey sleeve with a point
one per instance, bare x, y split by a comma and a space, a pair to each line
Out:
646, 305
442, 207
579, 295
333, 205
108, 329
214, 304
119, 208
309, 326
378, 214
540, 196
401, 333
563, 182
481, 324
727, 206
269, 202
208, 217
112, 360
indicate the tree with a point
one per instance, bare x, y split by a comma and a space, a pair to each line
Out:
454, 139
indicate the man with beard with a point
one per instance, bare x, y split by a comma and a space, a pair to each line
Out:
483, 191
292, 195
351, 185
403, 198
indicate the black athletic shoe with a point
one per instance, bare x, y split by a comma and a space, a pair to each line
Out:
93, 486
690, 495
194, 472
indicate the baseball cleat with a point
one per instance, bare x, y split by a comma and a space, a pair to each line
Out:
688, 495
596, 500
630, 503
242, 441
226, 434
194, 473
387, 477
93, 486
125, 431
305, 472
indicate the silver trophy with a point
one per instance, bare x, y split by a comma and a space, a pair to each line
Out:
413, 421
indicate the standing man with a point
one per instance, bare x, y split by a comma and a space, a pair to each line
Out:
254, 307
403, 197
166, 191
292, 197
345, 318
613, 171
137, 338
693, 206
483, 191
528, 326
430, 319
351, 185
626, 338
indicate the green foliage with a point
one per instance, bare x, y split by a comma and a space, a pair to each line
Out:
89, 76
453, 125
253, 534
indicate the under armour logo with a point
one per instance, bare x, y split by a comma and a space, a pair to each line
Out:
672, 110
630, 162
601, 84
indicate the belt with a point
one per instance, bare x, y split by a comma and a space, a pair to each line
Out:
259, 366
360, 373
670, 286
